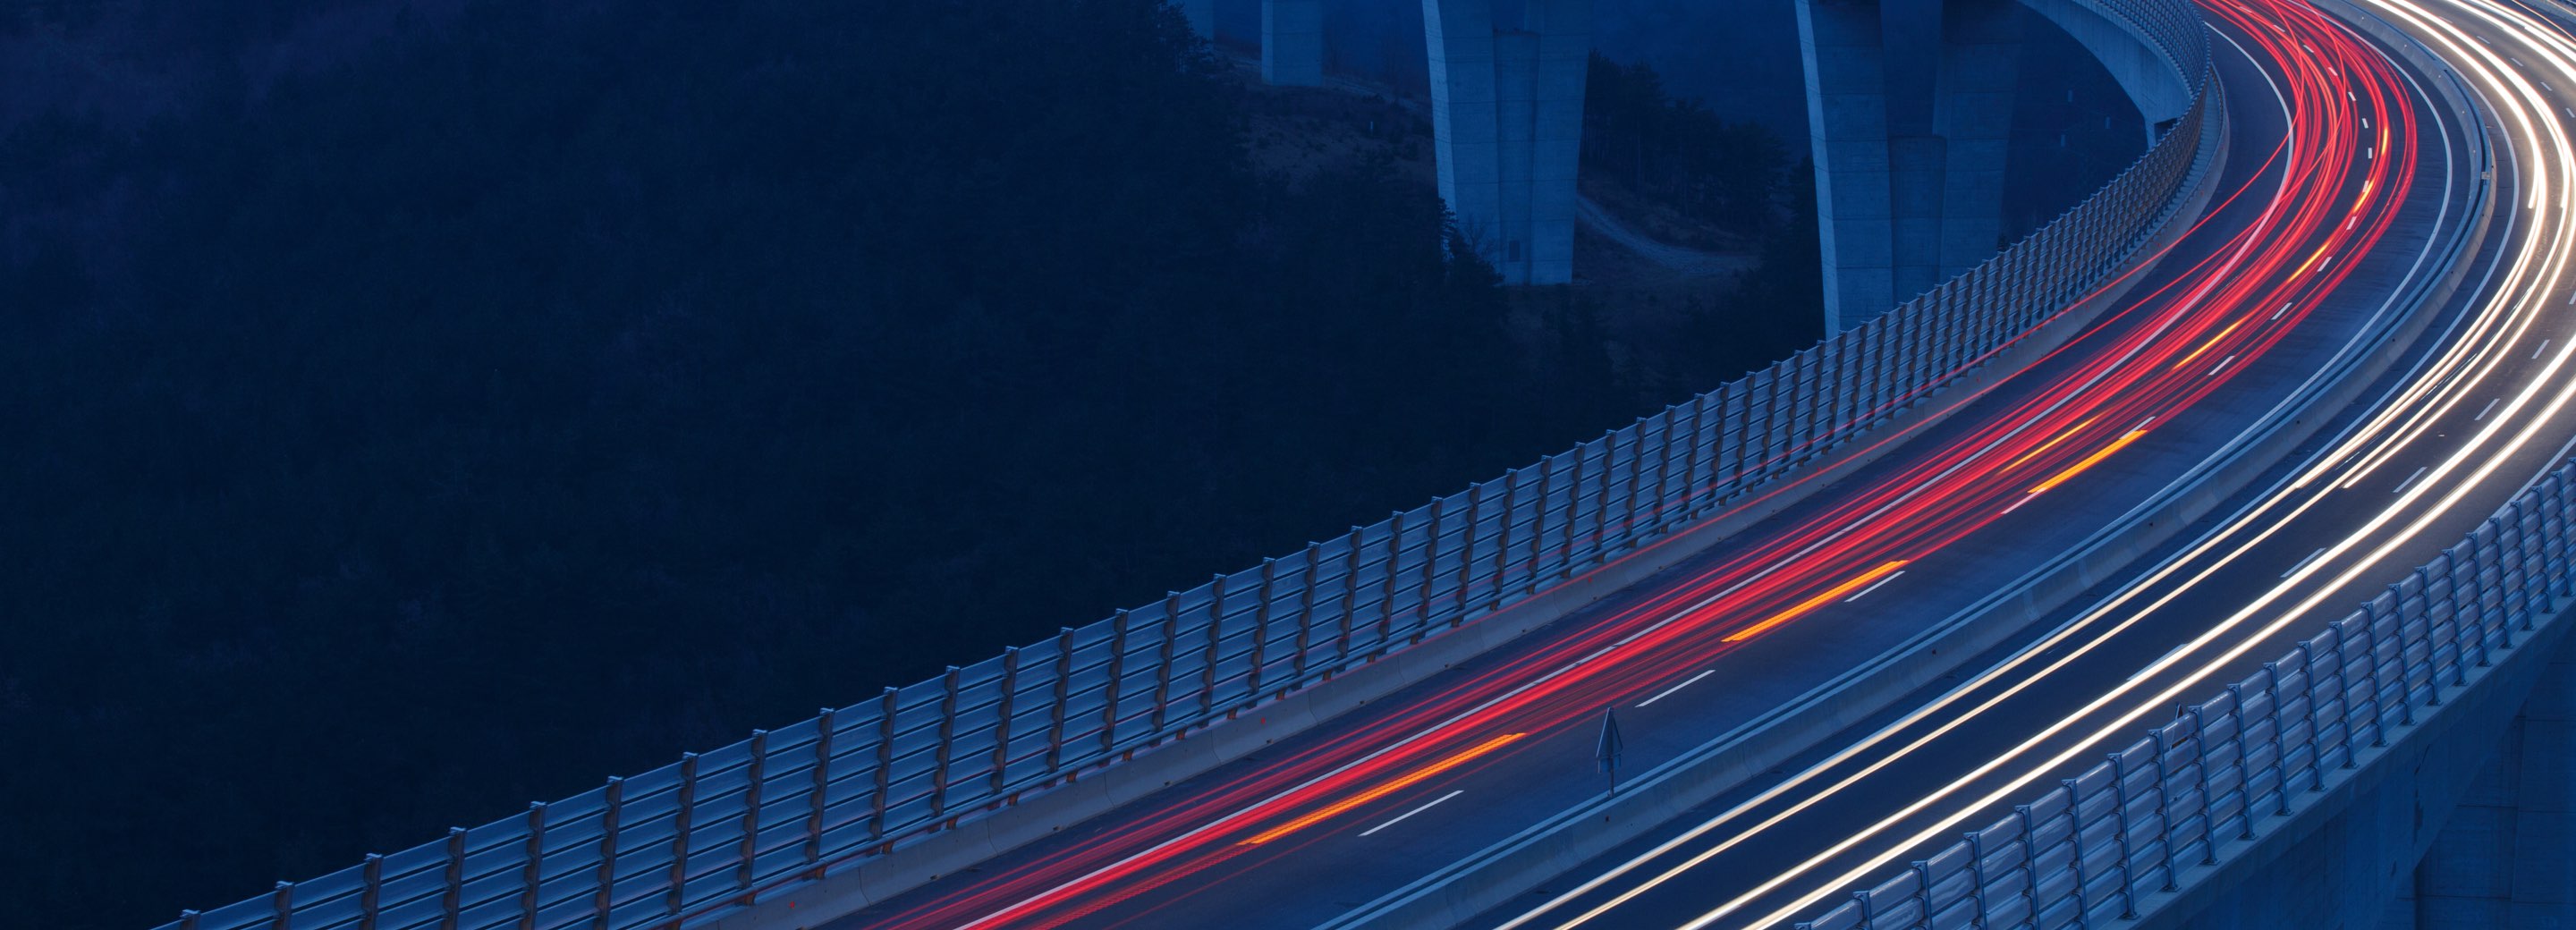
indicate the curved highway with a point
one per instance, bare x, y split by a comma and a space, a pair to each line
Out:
2448, 438
2296, 268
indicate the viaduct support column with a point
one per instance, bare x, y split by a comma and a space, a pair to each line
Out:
1507, 124
1909, 105
1292, 42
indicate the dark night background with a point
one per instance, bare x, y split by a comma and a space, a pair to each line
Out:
418, 408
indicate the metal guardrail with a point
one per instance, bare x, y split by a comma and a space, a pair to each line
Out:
2078, 855
724, 828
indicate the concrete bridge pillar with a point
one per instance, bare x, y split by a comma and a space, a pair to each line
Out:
1507, 124
1909, 106
2506, 855
1292, 42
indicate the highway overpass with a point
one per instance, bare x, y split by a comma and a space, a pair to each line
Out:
1869, 621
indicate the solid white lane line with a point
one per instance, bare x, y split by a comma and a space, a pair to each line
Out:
2483, 411
2303, 563
2161, 661
2410, 480
1668, 692
1399, 818
1864, 592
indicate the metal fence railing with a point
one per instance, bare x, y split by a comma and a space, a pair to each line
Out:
2080, 854
721, 828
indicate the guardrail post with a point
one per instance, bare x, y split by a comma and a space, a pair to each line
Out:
1600, 551
372, 892
1261, 628
1574, 505
532, 866
1110, 692
1664, 471
1636, 485
2432, 667
1922, 870
1350, 598
451, 887
2316, 733
1466, 553
1977, 878
281, 904
1169, 649
1538, 524
2244, 761
2451, 598
749, 846
1502, 545
2525, 562
1306, 616
2029, 859
2513, 546
1691, 483
1004, 706
2280, 740
2469, 599
1925, 354
2120, 836
815, 795
1802, 407
884, 771
682, 820
1063, 695
2553, 555
947, 744
1386, 592
2200, 788
1208, 651
1430, 571
2343, 693
604, 880
2075, 828
1877, 341
2378, 686
2164, 801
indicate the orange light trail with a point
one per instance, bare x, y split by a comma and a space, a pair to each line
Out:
2222, 334
1816, 601
2088, 462
1330, 810
2051, 444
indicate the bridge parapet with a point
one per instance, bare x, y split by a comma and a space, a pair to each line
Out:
2166, 809
691, 842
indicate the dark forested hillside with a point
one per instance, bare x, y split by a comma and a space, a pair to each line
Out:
533, 394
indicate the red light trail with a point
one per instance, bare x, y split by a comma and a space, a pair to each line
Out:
2337, 190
